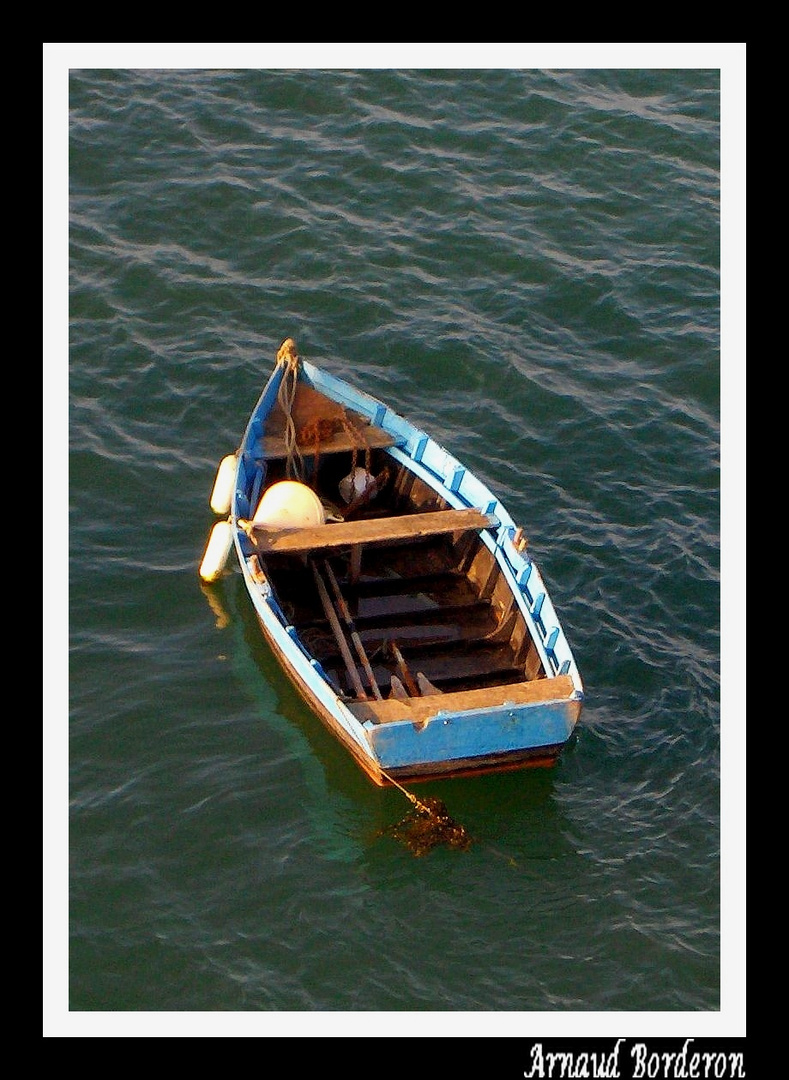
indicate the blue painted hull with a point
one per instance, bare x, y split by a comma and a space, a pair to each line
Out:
456, 733
477, 738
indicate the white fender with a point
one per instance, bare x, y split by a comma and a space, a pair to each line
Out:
223, 485
217, 550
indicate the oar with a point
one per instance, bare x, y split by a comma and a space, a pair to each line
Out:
342, 607
339, 637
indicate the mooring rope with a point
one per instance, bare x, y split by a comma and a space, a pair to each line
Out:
287, 357
316, 430
422, 807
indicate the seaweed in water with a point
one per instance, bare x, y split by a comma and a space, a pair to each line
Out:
429, 825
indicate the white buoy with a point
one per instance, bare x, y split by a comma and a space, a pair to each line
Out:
223, 485
217, 550
290, 505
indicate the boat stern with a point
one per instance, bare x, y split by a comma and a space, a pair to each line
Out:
451, 738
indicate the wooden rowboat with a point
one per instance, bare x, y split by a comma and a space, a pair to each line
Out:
392, 585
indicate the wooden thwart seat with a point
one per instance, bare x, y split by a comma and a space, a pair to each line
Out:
274, 447
423, 709
372, 531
